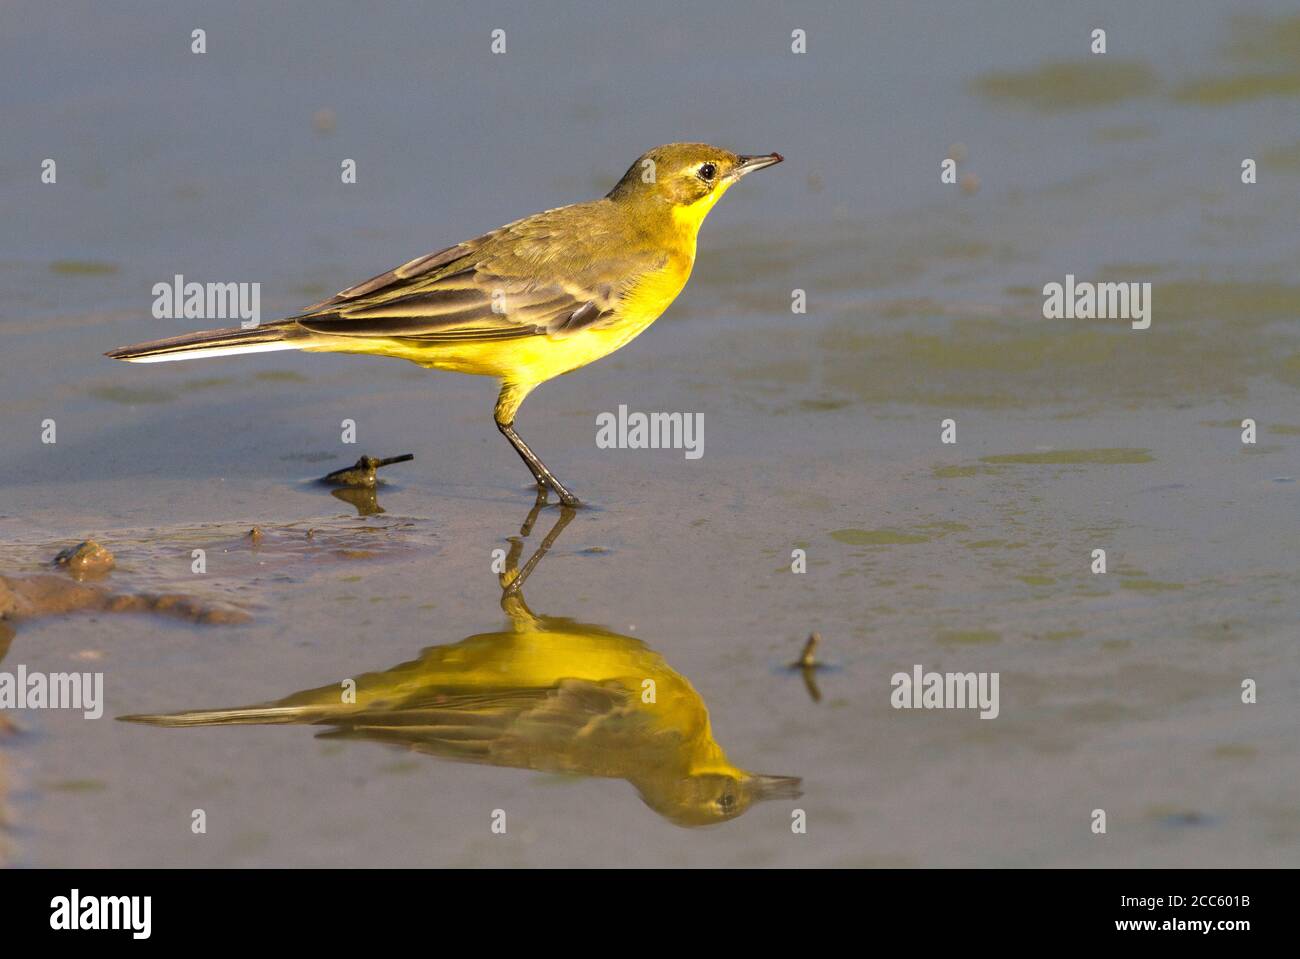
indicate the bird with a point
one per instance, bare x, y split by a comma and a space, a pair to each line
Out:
546, 693
529, 301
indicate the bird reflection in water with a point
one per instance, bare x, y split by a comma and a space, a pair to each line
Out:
546, 693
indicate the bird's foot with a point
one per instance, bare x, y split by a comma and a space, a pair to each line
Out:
566, 498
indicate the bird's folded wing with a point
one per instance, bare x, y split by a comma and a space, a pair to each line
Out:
510, 283
569, 703
506, 727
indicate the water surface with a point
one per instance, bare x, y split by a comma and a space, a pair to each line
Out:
1119, 691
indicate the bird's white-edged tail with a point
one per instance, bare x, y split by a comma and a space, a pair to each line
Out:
195, 346
270, 714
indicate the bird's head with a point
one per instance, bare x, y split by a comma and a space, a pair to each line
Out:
703, 799
686, 178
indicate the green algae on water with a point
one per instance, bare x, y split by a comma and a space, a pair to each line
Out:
1215, 91
1149, 585
1107, 457
969, 637
961, 472
132, 396
1057, 635
1069, 85
1235, 751
1268, 48
280, 376
876, 537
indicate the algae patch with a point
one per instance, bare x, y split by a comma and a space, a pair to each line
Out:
1099, 457
1149, 585
132, 396
969, 637
1267, 49
876, 537
961, 472
1069, 85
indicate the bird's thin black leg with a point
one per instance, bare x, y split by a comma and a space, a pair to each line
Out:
539, 470
512, 580
542, 485
527, 529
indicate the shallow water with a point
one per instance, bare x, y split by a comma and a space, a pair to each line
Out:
1118, 691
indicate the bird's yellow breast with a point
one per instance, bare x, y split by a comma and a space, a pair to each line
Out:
644, 303
535, 359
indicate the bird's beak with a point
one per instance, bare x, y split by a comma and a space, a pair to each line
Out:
776, 787
750, 164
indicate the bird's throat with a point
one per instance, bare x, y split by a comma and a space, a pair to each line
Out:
688, 217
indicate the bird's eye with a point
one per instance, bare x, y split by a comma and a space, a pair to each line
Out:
726, 800
708, 171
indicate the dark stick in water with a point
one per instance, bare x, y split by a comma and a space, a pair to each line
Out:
362, 472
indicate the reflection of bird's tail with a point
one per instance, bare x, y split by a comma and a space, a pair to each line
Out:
231, 717
193, 346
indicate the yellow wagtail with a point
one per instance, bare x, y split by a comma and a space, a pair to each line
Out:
542, 296
547, 693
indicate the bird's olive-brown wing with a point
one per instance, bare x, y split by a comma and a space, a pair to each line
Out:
559, 728
552, 274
